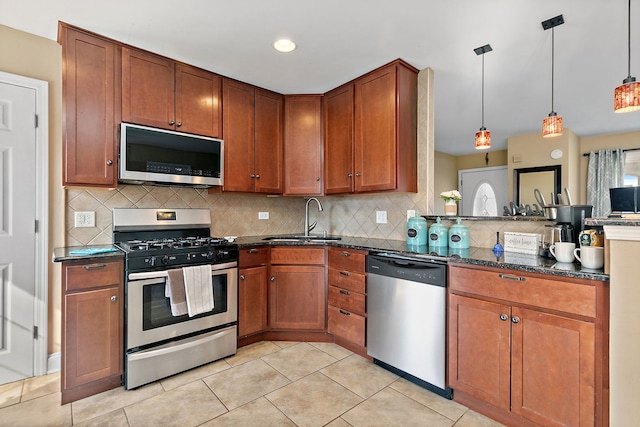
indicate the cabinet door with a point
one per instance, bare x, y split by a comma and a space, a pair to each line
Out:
297, 297
198, 107
302, 145
337, 108
93, 343
553, 377
90, 132
268, 142
375, 131
148, 89
238, 130
252, 300
479, 349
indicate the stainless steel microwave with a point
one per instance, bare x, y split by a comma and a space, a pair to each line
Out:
159, 156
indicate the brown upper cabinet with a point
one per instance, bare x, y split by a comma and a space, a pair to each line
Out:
159, 92
303, 145
252, 126
338, 115
90, 115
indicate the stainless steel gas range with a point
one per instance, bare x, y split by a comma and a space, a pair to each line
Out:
159, 243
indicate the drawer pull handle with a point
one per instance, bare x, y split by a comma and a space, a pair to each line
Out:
345, 254
515, 319
114, 298
504, 317
510, 277
346, 313
343, 292
345, 273
94, 266
253, 251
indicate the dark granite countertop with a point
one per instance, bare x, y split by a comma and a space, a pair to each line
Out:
476, 256
66, 253
628, 222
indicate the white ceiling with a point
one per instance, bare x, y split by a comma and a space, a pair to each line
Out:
342, 39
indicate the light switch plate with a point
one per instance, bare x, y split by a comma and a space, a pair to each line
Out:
84, 219
381, 217
263, 215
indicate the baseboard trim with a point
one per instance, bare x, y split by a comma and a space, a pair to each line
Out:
54, 362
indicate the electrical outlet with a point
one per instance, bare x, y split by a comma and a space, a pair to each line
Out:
410, 213
381, 217
263, 215
85, 219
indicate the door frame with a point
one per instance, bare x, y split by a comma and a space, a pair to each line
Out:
41, 88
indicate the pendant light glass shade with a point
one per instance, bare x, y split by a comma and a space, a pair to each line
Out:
552, 126
626, 97
483, 136
483, 139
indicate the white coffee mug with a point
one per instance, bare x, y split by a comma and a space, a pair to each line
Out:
590, 256
563, 251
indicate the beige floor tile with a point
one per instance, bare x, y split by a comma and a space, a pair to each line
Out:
338, 422
194, 374
112, 419
42, 411
252, 352
360, 375
332, 349
259, 413
285, 344
473, 419
10, 393
244, 383
313, 400
446, 407
391, 408
298, 360
188, 405
40, 386
111, 400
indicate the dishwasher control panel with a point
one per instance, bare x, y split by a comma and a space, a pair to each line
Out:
432, 273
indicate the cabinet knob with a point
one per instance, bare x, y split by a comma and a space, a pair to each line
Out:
357, 173
318, 179
504, 317
252, 176
350, 175
114, 298
515, 319
109, 162
253, 251
258, 176
345, 254
172, 122
273, 279
179, 124
242, 277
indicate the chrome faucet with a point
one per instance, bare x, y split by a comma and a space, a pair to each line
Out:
308, 227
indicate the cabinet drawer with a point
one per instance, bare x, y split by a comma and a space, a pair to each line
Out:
86, 275
254, 257
348, 280
348, 300
297, 256
347, 325
352, 260
516, 287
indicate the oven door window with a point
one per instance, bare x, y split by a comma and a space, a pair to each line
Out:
157, 310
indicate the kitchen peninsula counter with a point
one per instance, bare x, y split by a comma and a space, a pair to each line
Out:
477, 256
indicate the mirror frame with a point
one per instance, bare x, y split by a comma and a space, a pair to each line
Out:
557, 179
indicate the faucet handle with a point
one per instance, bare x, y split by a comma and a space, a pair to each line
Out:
313, 225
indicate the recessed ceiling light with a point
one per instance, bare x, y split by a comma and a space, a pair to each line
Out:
284, 45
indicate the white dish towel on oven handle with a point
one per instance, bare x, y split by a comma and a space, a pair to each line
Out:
198, 287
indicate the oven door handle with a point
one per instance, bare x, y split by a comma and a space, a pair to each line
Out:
165, 273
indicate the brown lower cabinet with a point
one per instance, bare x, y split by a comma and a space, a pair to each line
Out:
529, 349
252, 290
92, 333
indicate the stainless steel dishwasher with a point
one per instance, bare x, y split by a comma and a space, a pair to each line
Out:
406, 318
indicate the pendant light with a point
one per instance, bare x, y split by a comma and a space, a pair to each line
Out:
627, 96
552, 125
483, 136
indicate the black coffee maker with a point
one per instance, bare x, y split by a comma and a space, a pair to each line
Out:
570, 220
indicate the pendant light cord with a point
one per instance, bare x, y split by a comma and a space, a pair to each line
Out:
553, 43
629, 41
483, 90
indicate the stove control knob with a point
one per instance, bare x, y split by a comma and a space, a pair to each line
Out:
222, 254
210, 255
151, 261
165, 259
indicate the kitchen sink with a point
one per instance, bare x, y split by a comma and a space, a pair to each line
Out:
302, 238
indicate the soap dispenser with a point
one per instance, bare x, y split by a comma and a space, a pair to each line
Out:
459, 236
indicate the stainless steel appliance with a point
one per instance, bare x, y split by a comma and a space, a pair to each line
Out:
406, 318
167, 157
157, 343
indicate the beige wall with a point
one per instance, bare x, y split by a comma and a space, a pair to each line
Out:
39, 58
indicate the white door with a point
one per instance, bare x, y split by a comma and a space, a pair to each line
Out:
483, 191
17, 231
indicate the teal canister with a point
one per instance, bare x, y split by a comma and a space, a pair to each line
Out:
417, 231
459, 236
437, 235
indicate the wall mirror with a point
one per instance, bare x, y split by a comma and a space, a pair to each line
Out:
547, 179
